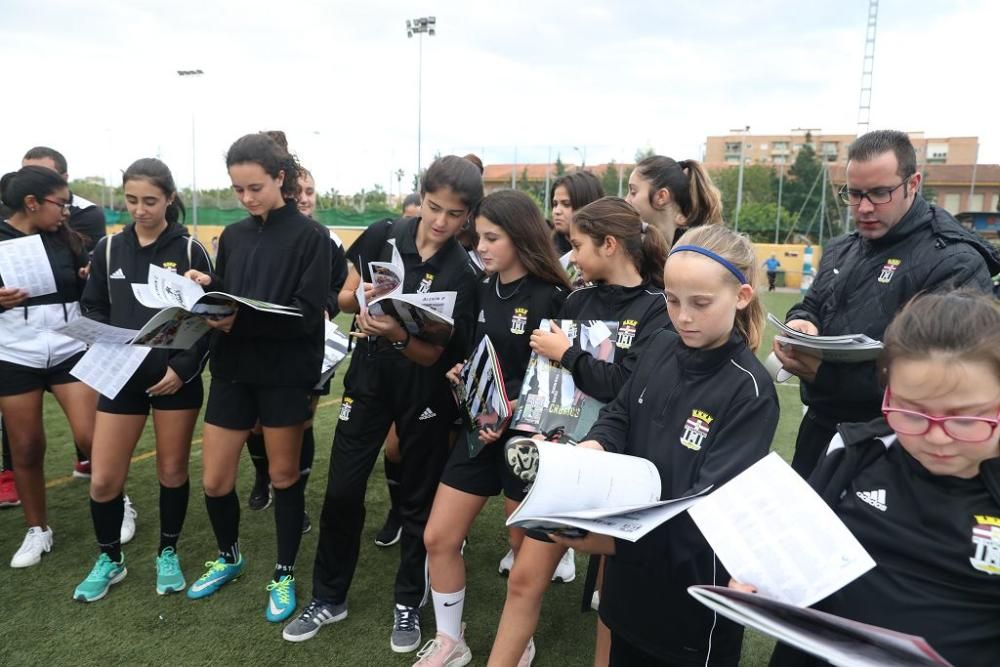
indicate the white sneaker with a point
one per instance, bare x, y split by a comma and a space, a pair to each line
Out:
595, 601
566, 569
35, 543
128, 522
529, 654
507, 563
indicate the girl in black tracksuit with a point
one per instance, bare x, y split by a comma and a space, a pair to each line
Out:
702, 409
526, 284
922, 497
624, 259
397, 377
263, 365
34, 359
168, 381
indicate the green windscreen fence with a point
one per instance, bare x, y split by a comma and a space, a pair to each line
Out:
221, 217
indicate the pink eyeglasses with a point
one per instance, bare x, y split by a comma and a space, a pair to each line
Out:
964, 429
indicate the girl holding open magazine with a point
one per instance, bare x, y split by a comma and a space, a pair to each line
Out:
920, 487
168, 381
702, 409
525, 285
623, 258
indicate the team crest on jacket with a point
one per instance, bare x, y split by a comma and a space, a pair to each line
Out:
888, 271
345, 409
519, 321
986, 540
626, 334
696, 429
425, 284
170, 266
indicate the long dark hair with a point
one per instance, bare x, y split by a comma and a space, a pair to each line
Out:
457, 174
518, 215
261, 148
39, 182
581, 186
156, 172
644, 244
690, 187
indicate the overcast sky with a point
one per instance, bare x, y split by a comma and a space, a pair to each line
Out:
97, 79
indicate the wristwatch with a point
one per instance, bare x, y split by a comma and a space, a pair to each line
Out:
401, 344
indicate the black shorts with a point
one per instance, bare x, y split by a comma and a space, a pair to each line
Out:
239, 406
131, 401
485, 475
16, 379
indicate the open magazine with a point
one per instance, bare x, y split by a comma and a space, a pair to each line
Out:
481, 395
171, 328
839, 641
427, 315
579, 490
848, 349
334, 352
550, 401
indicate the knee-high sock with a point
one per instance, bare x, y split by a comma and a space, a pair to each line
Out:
107, 519
258, 454
224, 514
173, 509
289, 504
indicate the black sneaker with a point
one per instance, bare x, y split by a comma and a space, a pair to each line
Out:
306, 523
316, 614
390, 532
260, 495
405, 629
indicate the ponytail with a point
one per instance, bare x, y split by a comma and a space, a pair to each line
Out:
691, 188
644, 244
738, 251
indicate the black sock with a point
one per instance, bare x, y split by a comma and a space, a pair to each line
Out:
224, 514
289, 504
80, 456
8, 462
258, 454
107, 519
173, 509
393, 472
307, 457
283, 571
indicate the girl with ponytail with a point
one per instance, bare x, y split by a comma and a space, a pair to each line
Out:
674, 196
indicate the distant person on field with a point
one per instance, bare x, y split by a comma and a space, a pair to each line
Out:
771, 265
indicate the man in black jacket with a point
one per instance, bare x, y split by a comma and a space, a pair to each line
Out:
85, 218
901, 246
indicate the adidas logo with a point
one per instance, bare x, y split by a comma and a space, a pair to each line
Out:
426, 414
117, 275
874, 498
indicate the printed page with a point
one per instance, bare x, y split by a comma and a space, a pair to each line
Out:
172, 328
846, 354
387, 277
107, 368
171, 289
24, 265
771, 530
91, 331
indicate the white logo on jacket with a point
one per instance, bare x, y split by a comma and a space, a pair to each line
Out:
874, 498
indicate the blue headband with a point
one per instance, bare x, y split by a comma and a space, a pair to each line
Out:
718, 258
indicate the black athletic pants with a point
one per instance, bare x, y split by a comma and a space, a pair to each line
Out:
377, 392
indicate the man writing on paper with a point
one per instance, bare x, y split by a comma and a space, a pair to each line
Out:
901, 246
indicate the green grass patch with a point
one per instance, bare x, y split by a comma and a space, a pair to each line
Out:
133, 625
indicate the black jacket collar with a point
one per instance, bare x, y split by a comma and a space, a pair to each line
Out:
707, 361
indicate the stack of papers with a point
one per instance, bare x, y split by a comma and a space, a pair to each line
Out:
847, 349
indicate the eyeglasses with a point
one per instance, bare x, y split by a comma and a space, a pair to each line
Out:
959, 427
875, 196
65, 205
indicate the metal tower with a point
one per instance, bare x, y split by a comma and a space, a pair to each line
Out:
865, 101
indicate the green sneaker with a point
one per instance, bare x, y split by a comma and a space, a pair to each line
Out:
104, 573
169, 578
218, 574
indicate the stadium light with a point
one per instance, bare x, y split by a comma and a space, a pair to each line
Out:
191, 73
419, 27
739, 185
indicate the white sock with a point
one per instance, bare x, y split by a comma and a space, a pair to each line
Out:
448, 612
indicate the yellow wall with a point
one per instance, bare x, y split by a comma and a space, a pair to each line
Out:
790, 257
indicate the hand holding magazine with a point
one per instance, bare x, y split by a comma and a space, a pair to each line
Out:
481, 394
839, 641
848, 349
578, 490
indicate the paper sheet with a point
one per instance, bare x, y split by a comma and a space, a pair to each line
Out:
24, 265
107, 368
91, 331
771, 530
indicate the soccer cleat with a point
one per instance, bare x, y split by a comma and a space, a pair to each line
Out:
566, 569
103, 575
316, 614
405, 629
169, 578
260, 494
390, 532
529, 654
281, 599
36, 542
219, 573
443, 651
81, 470
507, 563
521, 455
8, 490
128, 521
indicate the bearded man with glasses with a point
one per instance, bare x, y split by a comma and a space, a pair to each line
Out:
901, 246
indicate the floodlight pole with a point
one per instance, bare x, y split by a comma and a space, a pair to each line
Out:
419, 26
194, 181
739, 185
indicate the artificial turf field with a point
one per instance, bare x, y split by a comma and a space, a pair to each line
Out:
41, 624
